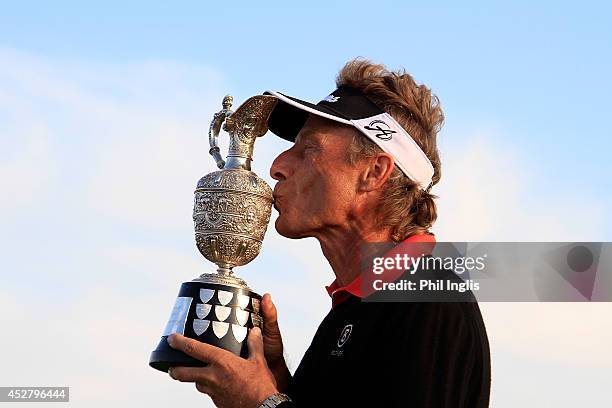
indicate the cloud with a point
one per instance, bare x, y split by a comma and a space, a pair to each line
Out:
138, 130
96, 149
569, 333
149, 180
491, 191
113, 152
27, 171
98, 345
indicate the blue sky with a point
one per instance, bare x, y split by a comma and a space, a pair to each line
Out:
103, 112
538, 72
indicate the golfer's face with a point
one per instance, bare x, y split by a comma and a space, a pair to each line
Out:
316, 185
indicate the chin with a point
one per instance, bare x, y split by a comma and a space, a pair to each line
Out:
287, 230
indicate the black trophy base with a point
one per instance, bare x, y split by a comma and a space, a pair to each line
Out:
216, 314
165, 357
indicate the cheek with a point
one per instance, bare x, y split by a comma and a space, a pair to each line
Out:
340, 198
308, 198
310, 181
326, 196
321, 191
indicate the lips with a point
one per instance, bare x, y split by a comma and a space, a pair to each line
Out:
276, 202
276, 199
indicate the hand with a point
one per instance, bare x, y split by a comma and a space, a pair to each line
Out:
229, 380
273, 344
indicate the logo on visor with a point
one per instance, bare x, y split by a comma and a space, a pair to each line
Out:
330, 98
384, 131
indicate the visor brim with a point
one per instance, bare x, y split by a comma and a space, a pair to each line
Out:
290, 114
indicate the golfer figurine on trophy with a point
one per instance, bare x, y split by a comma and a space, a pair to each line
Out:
231, 212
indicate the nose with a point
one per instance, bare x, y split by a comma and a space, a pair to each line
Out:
281, 166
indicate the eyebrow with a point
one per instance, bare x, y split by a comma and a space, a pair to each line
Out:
306, 132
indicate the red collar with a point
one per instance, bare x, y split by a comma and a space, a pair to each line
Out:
339, 294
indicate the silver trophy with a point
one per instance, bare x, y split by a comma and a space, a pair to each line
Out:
231, 212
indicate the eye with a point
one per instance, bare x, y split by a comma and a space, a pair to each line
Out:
305, 146
310, 146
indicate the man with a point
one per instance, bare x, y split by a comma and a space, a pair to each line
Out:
360, 170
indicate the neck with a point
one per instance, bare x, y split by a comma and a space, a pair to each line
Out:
341, 247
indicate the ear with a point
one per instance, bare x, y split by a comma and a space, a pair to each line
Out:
376, 172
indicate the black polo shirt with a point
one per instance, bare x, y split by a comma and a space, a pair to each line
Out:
396, 354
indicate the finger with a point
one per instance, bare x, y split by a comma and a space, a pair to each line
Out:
255, 344
202, 375
204, 388
270, 318
198, 350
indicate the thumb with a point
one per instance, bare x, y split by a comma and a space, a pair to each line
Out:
273, 342
255, 344
270, 319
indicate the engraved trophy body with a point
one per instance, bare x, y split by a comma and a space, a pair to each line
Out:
231, 212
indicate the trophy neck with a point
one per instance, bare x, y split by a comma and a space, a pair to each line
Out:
238, 162
240, 154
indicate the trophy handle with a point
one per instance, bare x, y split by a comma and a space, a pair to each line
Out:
215, 128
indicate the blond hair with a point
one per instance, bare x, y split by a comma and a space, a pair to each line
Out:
404, 207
